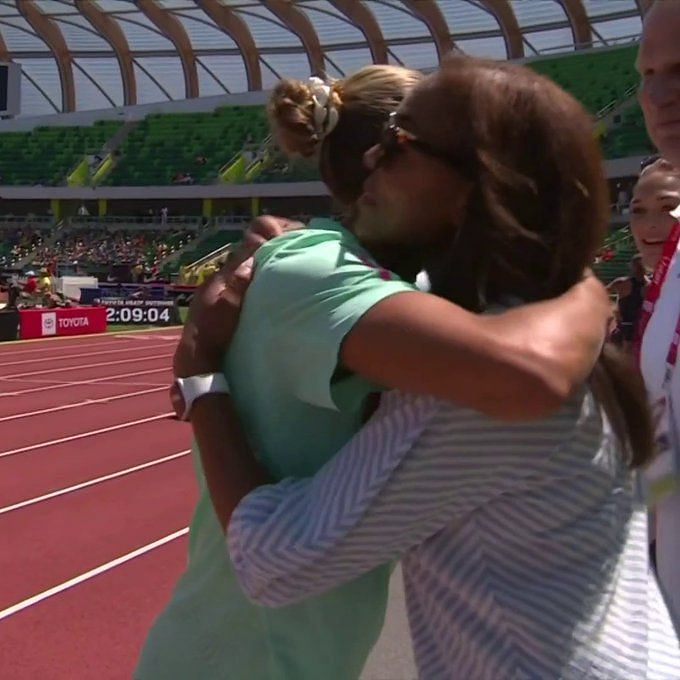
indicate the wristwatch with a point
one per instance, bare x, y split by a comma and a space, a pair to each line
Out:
194, 387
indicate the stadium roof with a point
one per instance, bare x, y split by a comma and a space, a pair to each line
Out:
92, 54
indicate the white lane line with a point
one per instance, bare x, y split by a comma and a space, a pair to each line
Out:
85, 402
65, 342
60, 384
68, 383
62, 357
92, 482
41, 349
85, 367
167, 338
86, 576
83, 435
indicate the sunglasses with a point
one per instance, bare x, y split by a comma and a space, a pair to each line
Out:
646, 162
395, 139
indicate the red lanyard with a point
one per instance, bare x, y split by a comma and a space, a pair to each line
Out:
653, 293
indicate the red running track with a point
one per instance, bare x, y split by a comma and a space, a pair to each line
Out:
96, 492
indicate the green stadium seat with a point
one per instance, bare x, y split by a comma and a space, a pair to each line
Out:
208, 244
597, 78
47, 154
163, 145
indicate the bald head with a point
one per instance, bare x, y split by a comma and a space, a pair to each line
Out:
659, 67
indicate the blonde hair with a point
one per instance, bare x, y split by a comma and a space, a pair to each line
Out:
377, 88
362, 103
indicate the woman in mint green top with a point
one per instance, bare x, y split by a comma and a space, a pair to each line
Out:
280, 369
299, 406
311, 287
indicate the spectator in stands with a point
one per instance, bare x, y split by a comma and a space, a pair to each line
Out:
183, 178
659, 67
45, 282
31, 285
164, 215
631, 292
121, 246
9, 291
329, 286
13, 293
204, 273
622, 198
138, 273
83, 211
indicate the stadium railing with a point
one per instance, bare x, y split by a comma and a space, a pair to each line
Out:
136, 222
30, 221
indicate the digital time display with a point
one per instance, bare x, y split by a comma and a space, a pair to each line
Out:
142, 312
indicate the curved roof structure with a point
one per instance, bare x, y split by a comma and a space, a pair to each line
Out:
92, 54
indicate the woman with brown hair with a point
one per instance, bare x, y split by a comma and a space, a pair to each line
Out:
323, 323
655, 223
523, 545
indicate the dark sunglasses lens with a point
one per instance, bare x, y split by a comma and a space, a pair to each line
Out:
645, 162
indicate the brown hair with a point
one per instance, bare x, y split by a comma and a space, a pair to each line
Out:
363, 101
538, 210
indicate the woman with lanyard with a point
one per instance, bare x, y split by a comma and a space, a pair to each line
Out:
655, 210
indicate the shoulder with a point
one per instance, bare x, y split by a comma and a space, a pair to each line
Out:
310, 257
303, 244
470, 427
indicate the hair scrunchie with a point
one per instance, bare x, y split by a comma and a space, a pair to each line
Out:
325, 114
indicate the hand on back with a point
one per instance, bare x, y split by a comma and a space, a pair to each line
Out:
216, 304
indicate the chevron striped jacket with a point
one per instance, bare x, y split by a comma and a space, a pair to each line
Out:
523, 548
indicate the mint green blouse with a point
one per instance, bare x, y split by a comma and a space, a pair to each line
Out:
309, 289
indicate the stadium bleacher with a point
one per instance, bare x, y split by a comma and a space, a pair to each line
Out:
46, 155
281, 169
196, 148
192, 148
595, 78
627, 137
97, 246
163, 147
17, 243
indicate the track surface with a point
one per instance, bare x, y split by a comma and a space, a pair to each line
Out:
96, 490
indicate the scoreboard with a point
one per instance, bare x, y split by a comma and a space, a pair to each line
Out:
141, 312
10, 89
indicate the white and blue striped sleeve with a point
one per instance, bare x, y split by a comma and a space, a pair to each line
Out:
402, 478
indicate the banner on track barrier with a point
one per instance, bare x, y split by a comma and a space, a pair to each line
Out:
45, 323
